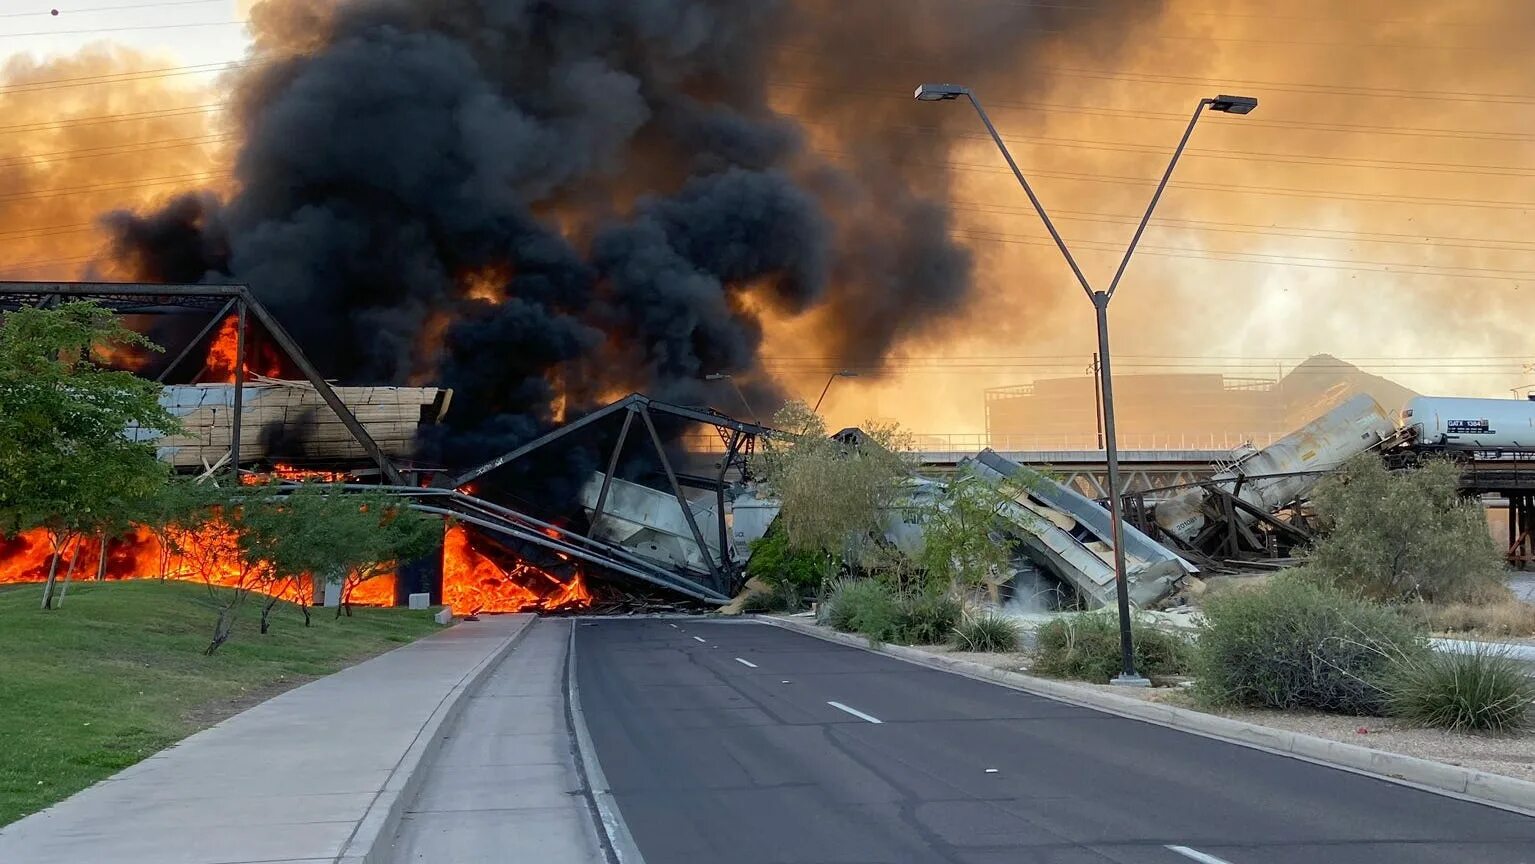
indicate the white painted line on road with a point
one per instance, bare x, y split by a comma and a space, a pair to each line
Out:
1196, 855
700, 638
855, 712
746, 663
673, 626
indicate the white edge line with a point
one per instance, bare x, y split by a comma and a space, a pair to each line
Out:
747, 663
855, 712
1197, 855
700, 638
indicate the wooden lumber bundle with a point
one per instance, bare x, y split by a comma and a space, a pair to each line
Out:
287, 420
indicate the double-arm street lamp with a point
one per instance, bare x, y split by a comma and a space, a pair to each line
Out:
722, 376
845, 373
1100, 301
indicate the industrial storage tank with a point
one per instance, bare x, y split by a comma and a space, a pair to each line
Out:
1453, 423
1288, 469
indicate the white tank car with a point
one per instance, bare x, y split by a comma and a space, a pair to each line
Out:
1354, 426
1454, 423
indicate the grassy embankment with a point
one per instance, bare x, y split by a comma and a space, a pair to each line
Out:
118, 673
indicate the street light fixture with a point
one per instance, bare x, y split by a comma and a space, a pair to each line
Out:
1100, 301
721, 376
844, 373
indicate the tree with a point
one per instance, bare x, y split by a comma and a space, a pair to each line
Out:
223, 551
834, 493
1404, 535
322, 530
66, 445
175, 510
960, 544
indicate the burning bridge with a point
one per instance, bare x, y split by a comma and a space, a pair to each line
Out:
256, 408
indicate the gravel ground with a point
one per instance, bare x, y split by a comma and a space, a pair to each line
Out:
1511, 755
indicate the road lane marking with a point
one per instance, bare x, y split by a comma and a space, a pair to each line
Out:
700, 638
1196, 855
673, 626
855, 712
746, 663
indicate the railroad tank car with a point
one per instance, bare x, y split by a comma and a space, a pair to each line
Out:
1456, 423
1286, 470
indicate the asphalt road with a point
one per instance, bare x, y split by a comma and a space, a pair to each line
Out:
742, 742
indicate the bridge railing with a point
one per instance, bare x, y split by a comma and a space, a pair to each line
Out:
929, 442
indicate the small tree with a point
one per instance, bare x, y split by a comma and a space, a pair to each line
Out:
1404, 535
176, 510
322, 530
960, 544
65, 449
221, 549
834, 494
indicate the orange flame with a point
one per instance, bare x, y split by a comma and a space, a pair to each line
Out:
472, 582
221, 354
210, 555
284, 471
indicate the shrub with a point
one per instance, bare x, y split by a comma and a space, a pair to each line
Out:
1086, 647
861, 605
924, 619
1295, 644
987, 632
1507, 618
877, 610
780, 597
1485, 690
1405, 535
774, 562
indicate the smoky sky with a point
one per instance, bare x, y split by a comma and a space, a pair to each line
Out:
545, 203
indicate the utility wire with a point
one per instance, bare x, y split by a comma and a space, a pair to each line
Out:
72, 12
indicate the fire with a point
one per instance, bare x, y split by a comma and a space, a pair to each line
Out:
284, 471
472, 582
259, 357
207, 555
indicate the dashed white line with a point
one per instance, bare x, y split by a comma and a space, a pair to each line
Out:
700, 638
673, 626
1196, 855
747, 663
855, 712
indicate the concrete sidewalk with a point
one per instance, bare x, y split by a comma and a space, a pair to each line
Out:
319, 773
505, 786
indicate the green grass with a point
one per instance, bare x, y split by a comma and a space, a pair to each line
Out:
118, 673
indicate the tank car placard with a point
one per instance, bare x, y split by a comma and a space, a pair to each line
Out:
1469, 427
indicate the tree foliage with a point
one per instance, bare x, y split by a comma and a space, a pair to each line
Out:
834, 493
960, 544
1404, 535
65, 447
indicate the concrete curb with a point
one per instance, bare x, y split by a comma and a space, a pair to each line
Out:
370, 842
1468, 784
618, 843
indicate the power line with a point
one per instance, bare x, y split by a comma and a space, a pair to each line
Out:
151, 5
124, 77
116, 150
95, 30
105, 119
125, 184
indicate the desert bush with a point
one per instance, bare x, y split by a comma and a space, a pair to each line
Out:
773, 561
1405, 535
987, 632
1295, 644
877, 610
1506, 618
1485, 690
1086, 647
924, 619
780, 597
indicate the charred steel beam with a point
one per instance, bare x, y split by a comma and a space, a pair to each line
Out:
607, 479
708, 417
719, 496
472, 474
682, 501
196, 340
312, 375
123, 289
239, 400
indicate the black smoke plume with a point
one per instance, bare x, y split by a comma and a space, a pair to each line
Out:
545, 203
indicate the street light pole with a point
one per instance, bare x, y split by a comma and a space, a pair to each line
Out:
721, 376
1100, 301
844, 373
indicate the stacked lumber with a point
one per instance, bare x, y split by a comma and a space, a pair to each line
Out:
288, 420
